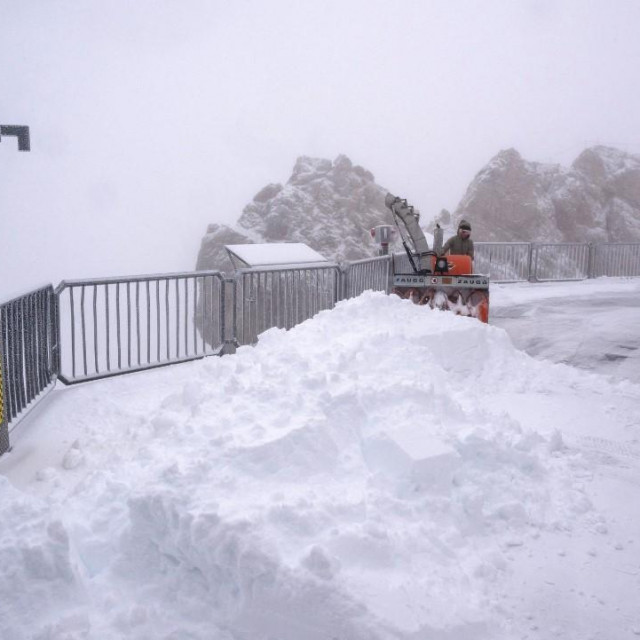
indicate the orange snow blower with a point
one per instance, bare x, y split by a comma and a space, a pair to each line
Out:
442, 282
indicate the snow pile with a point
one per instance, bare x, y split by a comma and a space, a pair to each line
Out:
381, 471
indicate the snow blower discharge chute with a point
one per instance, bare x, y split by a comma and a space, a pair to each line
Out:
442, 282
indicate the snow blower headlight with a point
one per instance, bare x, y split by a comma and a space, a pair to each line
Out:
442, 265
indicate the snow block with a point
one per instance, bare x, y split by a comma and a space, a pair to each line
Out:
434, 469
414, 454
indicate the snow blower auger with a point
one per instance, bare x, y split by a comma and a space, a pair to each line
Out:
442, 282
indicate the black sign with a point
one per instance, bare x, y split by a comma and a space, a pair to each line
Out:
21, 132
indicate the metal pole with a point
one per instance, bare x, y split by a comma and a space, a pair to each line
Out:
531, 276
4, 424
592, 259
230, 343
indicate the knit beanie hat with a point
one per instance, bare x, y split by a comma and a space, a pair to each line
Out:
464, 225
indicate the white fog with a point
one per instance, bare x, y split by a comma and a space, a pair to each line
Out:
150, 120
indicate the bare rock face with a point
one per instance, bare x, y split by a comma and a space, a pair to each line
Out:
597, 199
212, 252
331, 206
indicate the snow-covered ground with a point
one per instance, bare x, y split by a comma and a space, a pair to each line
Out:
382, 471
594, 325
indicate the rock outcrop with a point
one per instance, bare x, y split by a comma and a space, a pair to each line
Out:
597, 199
331, 206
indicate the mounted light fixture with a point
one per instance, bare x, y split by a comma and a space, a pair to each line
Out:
442, 265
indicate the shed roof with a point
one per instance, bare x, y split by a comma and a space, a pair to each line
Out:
273, 254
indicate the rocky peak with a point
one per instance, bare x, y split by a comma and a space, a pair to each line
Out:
268, 192
307, 169
601, 163
506, 158
331, 206
596, 199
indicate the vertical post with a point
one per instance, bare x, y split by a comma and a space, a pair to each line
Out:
591, 268
343, 282
533, 256
52, 335
56, 337
391, 273
4, 425
229, 342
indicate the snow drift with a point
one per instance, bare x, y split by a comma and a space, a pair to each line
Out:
382, 471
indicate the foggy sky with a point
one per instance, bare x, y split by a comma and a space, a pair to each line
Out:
151, 119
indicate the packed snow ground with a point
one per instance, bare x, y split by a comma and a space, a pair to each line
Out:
593, 324
382, 471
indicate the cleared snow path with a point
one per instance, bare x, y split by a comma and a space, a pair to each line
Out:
592, 324
382, 471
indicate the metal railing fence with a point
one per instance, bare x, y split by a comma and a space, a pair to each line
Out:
28, 355
119, 325
4, 421
560, 261
503, 261
369, 274
89, 329
400, 263
543, 262
266, 298
616, 260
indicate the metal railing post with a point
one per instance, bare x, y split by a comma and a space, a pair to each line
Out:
230, 342
343, 274
533, 263
592, 259
55, 347
4, 423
